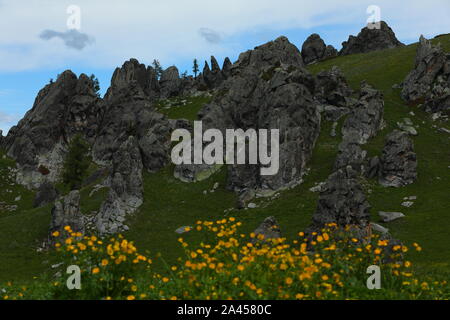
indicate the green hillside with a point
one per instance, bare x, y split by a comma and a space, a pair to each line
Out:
170, 204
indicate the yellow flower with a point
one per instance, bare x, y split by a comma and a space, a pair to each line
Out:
289, 281
134, 288
240, 267
105, 262
165, 280
68, 228
131, 297
55, 234
299, 296
95, 270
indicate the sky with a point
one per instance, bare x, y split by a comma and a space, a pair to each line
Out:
42, 38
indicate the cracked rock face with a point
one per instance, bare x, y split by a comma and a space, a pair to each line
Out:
399, 161
429, 81
331, 88
61, 110
370, 39
126, 188
267, 91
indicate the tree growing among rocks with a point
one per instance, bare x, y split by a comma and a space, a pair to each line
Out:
76, 163
195, 68
158, 68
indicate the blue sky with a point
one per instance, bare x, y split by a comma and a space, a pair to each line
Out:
38, 41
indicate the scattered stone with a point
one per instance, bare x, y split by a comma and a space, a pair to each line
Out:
407, 204
184, 229
252, 205
18, 198
390, 216
378, 228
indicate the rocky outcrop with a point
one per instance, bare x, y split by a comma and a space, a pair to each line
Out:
277, 52
134, 79
130, 112
126, 189
314, 49
371, 39
429, 81
366, 119
66, 212
399, 161
46, 193
214, 77
61, 110
226, 68
342, 201
170, 82
269, 89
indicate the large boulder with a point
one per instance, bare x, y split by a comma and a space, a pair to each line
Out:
399, 161
61, 110
342, 201
371, 39
66, 212
314, 49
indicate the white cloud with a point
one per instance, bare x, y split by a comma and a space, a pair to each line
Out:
169, 29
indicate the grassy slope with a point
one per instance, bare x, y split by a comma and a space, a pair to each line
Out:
428, 221
170, 204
